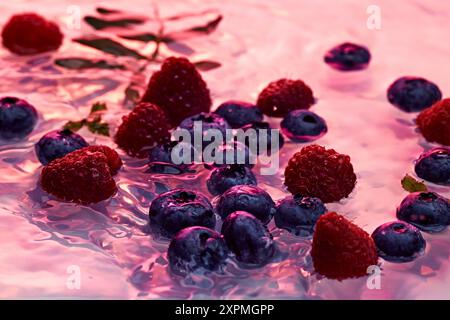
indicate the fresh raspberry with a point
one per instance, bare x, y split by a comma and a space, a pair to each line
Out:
82, 176
29, 33
341, 249
178, 88
318, 172
434, 122
285, 95
142, 129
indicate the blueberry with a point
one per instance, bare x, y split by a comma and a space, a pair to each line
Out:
56, 144
251, 199
434, 166
17, 118
197, 249
428, 211
248, 238
256, 141
413, 94
303, 126
348, 57
239, 113
223, 178
178, 209
231, 153
298, 214
398, 241
171, 158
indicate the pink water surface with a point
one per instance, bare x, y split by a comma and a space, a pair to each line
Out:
43, 240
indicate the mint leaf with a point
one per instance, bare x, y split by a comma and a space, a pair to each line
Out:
206, 65
412, 185
98, 106
74, 125
98, 126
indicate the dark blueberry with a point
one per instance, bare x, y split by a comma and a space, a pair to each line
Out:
56, 144
178, 209
251, 199
434, 166
248, 238
171, 158
428, 211
230, 153
348, 57
413, 94
259, 137
166, 168
398, 241
197, 249
17, 118
298, 214
303, 126
223, 178
207, 122
239, 113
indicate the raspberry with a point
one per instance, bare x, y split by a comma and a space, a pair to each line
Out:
318, 172
178, 88
285, 95
341, 249
29, 33
82, 176
434, 122
142, 129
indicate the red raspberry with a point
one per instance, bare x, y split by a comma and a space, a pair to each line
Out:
179, 90
145, 127
82, 176
318, 172
434, 122
341, 249
284, 95
29, 33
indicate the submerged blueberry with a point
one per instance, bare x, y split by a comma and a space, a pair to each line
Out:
398, 241
248, 238
299, 214
197, 249
434, 166
348, 57
223, 178
239, 113
178, 209
259, 138
17, 118
413, 94
303, 126
428, 211
230, 153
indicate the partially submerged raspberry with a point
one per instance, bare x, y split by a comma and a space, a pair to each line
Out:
434, 122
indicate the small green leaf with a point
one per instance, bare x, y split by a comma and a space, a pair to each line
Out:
412, 185
98, 106
107, 11
146, 37
74, 125
81, 63
132, 96
110, 46
209, 26
98, 126
100, 24
206, 65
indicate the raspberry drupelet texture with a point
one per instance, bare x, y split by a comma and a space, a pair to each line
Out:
142, 129
341, 249
319, 172
434, 122
180, 91
285, 95
29, 33
82, 176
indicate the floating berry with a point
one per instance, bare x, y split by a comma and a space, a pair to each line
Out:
318, 172
142, 129
285, 95
398, 241
413, 94
348, 57
223, 178
303, 126
178, 88
341, 249
428, 211
17, 118
261, 140
178, 209
29, 33
56, 144
298, 214
197, 249
239, 113
434, 122
434, 166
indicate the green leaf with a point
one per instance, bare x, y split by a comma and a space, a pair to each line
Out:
74, 125
98, 106
81, 63
100, 24
412, 185
132, 96
98, 126
146, 37
206, 65
209, 26
110, 46
107, 11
